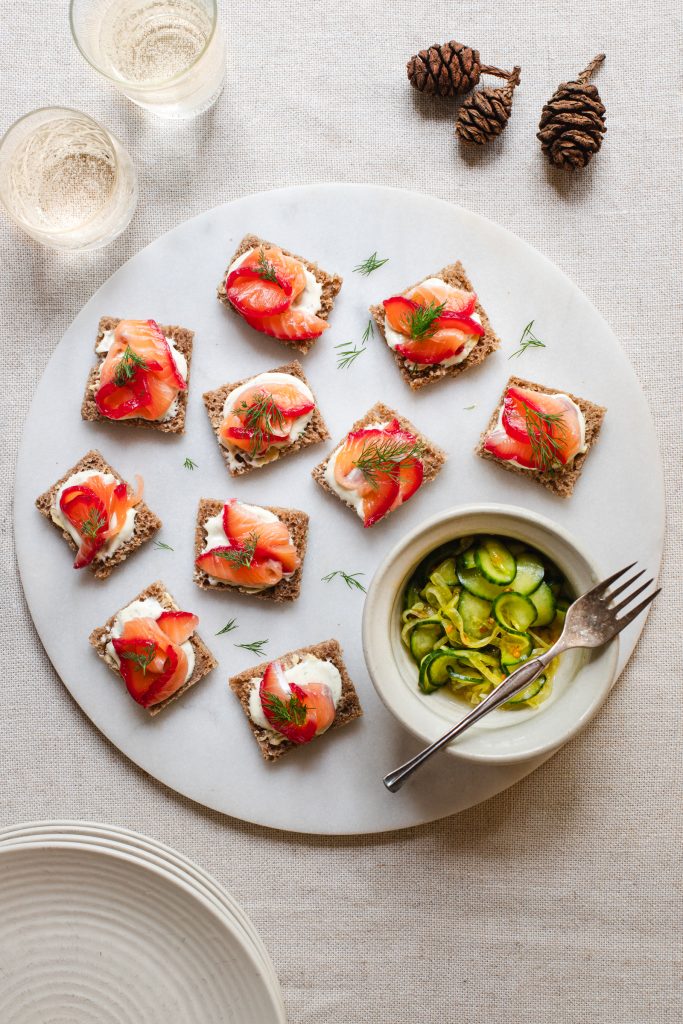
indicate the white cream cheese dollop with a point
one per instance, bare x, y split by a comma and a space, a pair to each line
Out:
582, 429
307, 669
58, 517
178, 358
308, 301
148, 608
237, 456
216, 537
394, 339
351, 497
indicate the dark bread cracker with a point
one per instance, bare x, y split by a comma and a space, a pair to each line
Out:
314, 432
146, 523
347, 710
560, 482
287, 589
331, 284
182, 338
456, 276
433, 458
204, 660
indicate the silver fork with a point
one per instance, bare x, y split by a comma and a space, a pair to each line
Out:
591, 621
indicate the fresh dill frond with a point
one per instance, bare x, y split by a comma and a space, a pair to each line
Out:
546, 433
528, 340
266, 270
91, 526
228, 627
421, 321
144, 658
290, 712
263, 417
350, 578
189, 464
369, 265
348, 352
162, 547
241, 556
256, 646
385, 457
127, 366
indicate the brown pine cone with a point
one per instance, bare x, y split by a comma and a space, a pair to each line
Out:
485, 113
573, 121
444, 70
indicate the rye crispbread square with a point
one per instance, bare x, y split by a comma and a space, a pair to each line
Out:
433, 458
348, 708
560, 482
204, 660
146, 522
287, 589
331, 284
214, 401
455, 275
182, 338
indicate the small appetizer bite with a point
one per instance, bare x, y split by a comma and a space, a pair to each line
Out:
102, 517
154, 648
290, 701
379, 465
542, 434
284, 296
264, 418
141, 376
436, 328
251, 549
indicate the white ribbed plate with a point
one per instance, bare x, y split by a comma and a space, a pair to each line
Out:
95, 936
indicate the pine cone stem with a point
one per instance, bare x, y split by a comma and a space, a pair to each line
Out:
486, 69
588, 72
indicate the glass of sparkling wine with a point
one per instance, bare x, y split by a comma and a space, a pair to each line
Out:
167, 56
65, 180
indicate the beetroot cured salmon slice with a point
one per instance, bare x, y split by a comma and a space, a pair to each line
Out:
97, 510
151, 665
297, 712
224, 563
556, 416
263, 416
139, 376
449, 332
271, 539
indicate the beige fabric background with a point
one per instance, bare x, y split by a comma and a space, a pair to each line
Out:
559, 900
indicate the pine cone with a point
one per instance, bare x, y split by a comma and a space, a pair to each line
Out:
444, 70
485, 113
573, 121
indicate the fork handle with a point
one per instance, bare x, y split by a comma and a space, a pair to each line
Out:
516, 681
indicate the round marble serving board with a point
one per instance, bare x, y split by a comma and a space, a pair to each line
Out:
201, 745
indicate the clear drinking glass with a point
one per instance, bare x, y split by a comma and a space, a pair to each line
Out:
65, 180
167, 56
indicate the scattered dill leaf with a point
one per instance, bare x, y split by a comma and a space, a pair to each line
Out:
468, 408
189, 464
369, 265
350, 578
127, 365
528, 340
291, 712
162, 547
266, 270
546, 433
228, 627
91, 526
384, 457
368, 332
348, 352
256, 646
144, 658
241, 555
421, 322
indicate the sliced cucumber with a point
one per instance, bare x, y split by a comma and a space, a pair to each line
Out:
514, 612
473, 579
514, 648
545, 604
475, 613
446, 571
434, 669
495, 561
530, 573
412, 595
532, 690
423, 639
468, 558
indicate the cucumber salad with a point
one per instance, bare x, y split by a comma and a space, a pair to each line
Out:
475, 609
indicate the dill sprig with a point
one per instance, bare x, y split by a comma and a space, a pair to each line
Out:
528, 340
421, 322
385, 457
266, 270
127, 366
546, 432
348, 352
290, 712
91, 526
262, 417
189, 464
161, 546
228, 627
240, 557
256, 646
350, 579
369, 265
143, 659
468, 408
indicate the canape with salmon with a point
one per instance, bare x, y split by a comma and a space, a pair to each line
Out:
542, 433
293, 700
141, 376
380, 464
251, 549
436, 328
278, 294
264, 418
153, 646
101, 516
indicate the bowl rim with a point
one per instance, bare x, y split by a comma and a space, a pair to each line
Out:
375, 598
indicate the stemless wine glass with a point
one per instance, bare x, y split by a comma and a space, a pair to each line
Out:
167, 56
65, 180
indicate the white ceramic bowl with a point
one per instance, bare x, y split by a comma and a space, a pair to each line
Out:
583, 679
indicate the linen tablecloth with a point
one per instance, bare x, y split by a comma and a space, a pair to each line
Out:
560, 899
